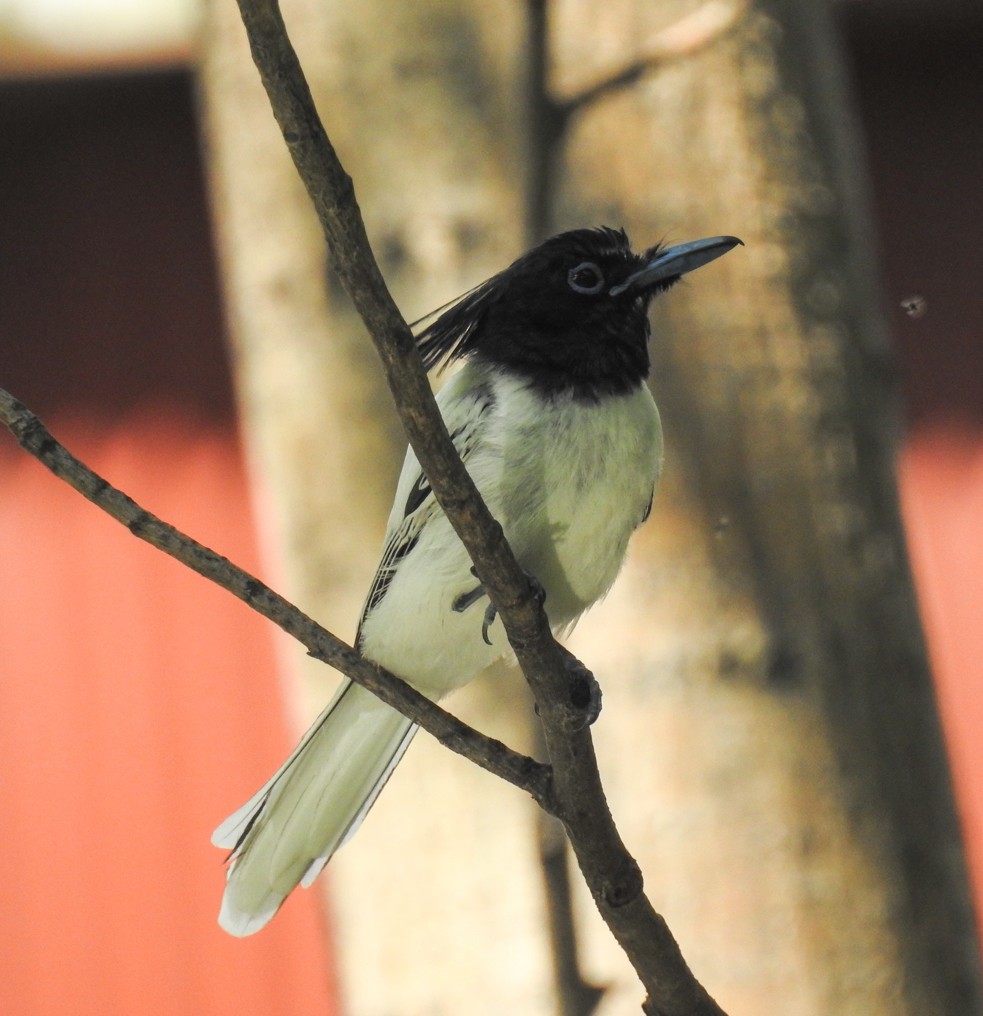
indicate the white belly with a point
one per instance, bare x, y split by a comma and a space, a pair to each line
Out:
588, 476
569, 483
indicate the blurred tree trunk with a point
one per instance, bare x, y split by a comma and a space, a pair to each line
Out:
800, 828
769, 738
420, 100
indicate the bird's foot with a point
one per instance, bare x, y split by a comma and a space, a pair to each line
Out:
491, 612
466, 600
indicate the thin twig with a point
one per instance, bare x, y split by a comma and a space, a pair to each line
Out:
693, 32
519, 770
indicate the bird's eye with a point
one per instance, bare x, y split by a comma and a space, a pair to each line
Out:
586, 278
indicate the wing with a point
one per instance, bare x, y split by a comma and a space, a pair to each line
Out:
464, 408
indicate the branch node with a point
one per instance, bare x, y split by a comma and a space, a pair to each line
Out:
627, 888
138, 526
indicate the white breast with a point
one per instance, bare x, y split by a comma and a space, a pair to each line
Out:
568, 481
577, 479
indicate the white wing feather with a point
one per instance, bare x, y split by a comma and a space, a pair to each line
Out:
569, 484
286, 832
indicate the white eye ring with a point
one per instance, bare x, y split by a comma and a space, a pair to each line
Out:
586, 278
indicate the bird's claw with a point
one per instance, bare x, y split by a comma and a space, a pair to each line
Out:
465, 600
487, 621
585, 692
491, 613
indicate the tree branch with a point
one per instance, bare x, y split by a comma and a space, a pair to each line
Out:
693, 32
517, 769
612, 874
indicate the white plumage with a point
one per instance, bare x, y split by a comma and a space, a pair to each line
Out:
569, 479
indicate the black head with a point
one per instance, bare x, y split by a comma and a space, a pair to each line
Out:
569, 315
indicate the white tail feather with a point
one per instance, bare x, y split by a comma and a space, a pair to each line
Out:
285, 834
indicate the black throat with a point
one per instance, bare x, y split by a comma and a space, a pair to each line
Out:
592, 356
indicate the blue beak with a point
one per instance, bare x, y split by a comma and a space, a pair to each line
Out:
676, 261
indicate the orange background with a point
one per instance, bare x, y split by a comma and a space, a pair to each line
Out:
133, 694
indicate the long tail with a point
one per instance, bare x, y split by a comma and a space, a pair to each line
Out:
286, 833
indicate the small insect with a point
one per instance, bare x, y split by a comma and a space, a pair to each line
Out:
914, 306
721, 526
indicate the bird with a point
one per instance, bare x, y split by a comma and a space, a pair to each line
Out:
552, 416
